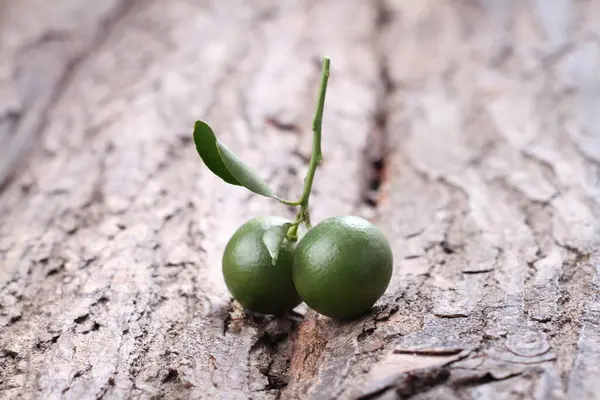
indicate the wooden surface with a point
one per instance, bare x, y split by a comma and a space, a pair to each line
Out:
467, 130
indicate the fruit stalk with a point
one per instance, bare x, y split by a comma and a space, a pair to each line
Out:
316, 155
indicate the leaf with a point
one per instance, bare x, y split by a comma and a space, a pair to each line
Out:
225, 164
273, 238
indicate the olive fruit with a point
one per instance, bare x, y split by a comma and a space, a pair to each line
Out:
342, 266
250, 275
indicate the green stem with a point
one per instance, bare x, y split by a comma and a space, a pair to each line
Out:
316, 156
290, 202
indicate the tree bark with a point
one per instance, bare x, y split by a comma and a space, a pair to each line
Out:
468, 131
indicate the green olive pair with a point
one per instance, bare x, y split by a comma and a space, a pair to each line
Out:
339, 268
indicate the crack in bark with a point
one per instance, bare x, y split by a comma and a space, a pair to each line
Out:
75, 376
375, 154
408, 384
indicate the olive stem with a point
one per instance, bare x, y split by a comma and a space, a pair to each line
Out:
316, 155
290, 202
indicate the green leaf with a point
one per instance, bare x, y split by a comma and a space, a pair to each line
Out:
273, 238
225, 164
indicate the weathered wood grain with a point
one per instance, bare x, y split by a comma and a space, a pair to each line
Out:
466, 130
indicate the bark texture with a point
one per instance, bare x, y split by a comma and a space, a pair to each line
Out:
467, 130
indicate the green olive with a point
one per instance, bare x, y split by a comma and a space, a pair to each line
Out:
250, 275
342, 266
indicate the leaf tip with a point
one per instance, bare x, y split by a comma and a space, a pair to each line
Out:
273, 239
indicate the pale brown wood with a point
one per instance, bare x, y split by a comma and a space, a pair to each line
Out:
466, 130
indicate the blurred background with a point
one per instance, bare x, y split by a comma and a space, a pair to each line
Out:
110, 90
